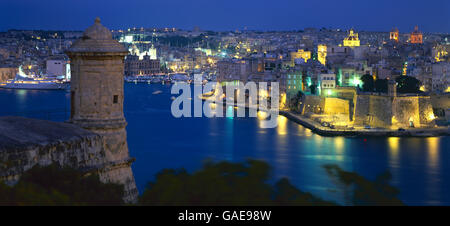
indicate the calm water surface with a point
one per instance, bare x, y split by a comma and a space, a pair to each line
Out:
419, 166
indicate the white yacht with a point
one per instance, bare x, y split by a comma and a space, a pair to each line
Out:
47, 83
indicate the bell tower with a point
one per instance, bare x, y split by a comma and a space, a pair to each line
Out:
393, 35
97, 67
416, 36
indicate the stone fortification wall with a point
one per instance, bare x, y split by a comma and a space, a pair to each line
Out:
336, 106
313, 104
26, 142
400, 111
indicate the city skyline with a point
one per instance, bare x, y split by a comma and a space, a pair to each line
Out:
228, 15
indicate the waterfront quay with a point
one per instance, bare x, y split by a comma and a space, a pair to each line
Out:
326, 131
316, 127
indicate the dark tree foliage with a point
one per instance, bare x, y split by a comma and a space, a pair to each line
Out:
287, 194
180, 41
55, 185
313, 89
295, 102
368, 83
224, 184
362, 191
407, 84
381, 85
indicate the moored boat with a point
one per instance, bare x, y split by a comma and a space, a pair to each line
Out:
35, 83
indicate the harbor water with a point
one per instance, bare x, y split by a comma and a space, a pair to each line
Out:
419, 166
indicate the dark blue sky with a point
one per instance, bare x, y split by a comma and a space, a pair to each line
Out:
374, 15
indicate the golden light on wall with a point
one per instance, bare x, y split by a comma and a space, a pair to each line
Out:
283, 100
431, 116
422, 88
394, 120
305, 55
440, 54
322, 54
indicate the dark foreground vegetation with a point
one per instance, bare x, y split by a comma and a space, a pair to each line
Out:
222, 183
54, 185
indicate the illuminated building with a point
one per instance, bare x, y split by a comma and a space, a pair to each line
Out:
327, 81
416, 36
349, 77
293, 84
405, 68
440, 52
236, 70
126, 39
393, 35
56, 67
208, 52
300, 54
136, 66
322, 54
440, 77
152, 53
352, 39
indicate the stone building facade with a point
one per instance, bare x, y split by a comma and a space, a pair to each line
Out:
7, 73
146, 66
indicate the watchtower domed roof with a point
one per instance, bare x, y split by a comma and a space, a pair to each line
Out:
97, 31
96, 38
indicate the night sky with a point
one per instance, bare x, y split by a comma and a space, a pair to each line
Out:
372, 15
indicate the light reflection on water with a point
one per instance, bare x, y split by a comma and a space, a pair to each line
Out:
420, 166
282, 123
433, 152
393, 148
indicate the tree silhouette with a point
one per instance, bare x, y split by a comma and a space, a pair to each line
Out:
55, 185
381, 85
368, 83
295, 102
361, 191
313, 89
224, 184
407, 84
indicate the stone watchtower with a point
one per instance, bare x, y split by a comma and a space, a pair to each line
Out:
97, 67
